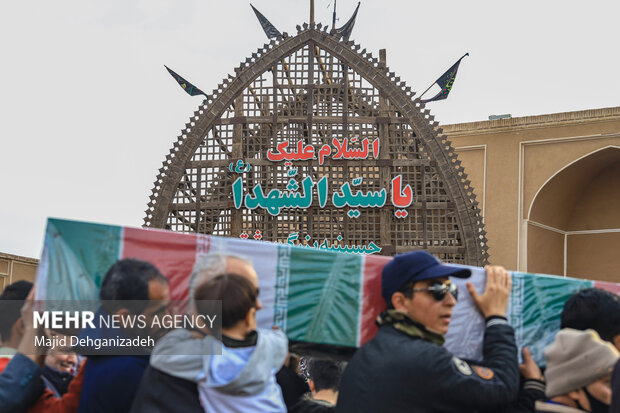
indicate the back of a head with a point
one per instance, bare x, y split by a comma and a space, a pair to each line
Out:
325, 373
576, 359
236, 293
11, 301
128, 279
208, 267
594, 309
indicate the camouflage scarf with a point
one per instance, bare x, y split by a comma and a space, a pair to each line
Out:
403, 323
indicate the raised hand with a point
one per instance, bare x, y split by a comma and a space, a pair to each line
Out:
494, 300
529, 369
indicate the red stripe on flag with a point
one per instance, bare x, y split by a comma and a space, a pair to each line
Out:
171, 252
613, 287
372, 301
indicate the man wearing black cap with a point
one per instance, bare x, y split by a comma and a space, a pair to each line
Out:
406, 369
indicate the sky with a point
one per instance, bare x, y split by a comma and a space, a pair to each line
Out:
89, 111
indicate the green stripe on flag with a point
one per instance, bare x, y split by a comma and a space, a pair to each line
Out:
79, 255
536, 304
323, 295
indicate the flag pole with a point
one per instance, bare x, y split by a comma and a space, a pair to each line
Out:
334, 16
429, 88
311, 11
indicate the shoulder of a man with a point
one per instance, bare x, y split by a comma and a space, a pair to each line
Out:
394, 344
111, 382
273, 345
311, 406
20, 384
615, 389
162, 392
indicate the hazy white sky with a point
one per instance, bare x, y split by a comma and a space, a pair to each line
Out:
89, 112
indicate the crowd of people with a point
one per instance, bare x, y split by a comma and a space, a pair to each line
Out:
404, 368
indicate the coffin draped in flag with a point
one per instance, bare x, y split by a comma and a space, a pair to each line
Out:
317, 297
188, 87
446, 81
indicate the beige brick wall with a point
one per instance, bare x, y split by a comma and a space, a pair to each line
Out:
14, 268
548, 189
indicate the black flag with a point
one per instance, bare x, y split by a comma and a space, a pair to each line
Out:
345, 31
269, 28
445, 82
188, 87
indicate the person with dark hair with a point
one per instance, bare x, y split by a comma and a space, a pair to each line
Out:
163, 389
324, 380
405, 366
59, 370
241, 379
111, 382
596, 309
579, 366
21, 387
11, 324
20, 384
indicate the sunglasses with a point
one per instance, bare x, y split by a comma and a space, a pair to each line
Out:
439, 290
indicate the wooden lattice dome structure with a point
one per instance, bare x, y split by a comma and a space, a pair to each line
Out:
313, 87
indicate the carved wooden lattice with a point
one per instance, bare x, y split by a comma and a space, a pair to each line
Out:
314, 87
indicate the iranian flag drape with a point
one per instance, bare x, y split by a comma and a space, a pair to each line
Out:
315, 296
